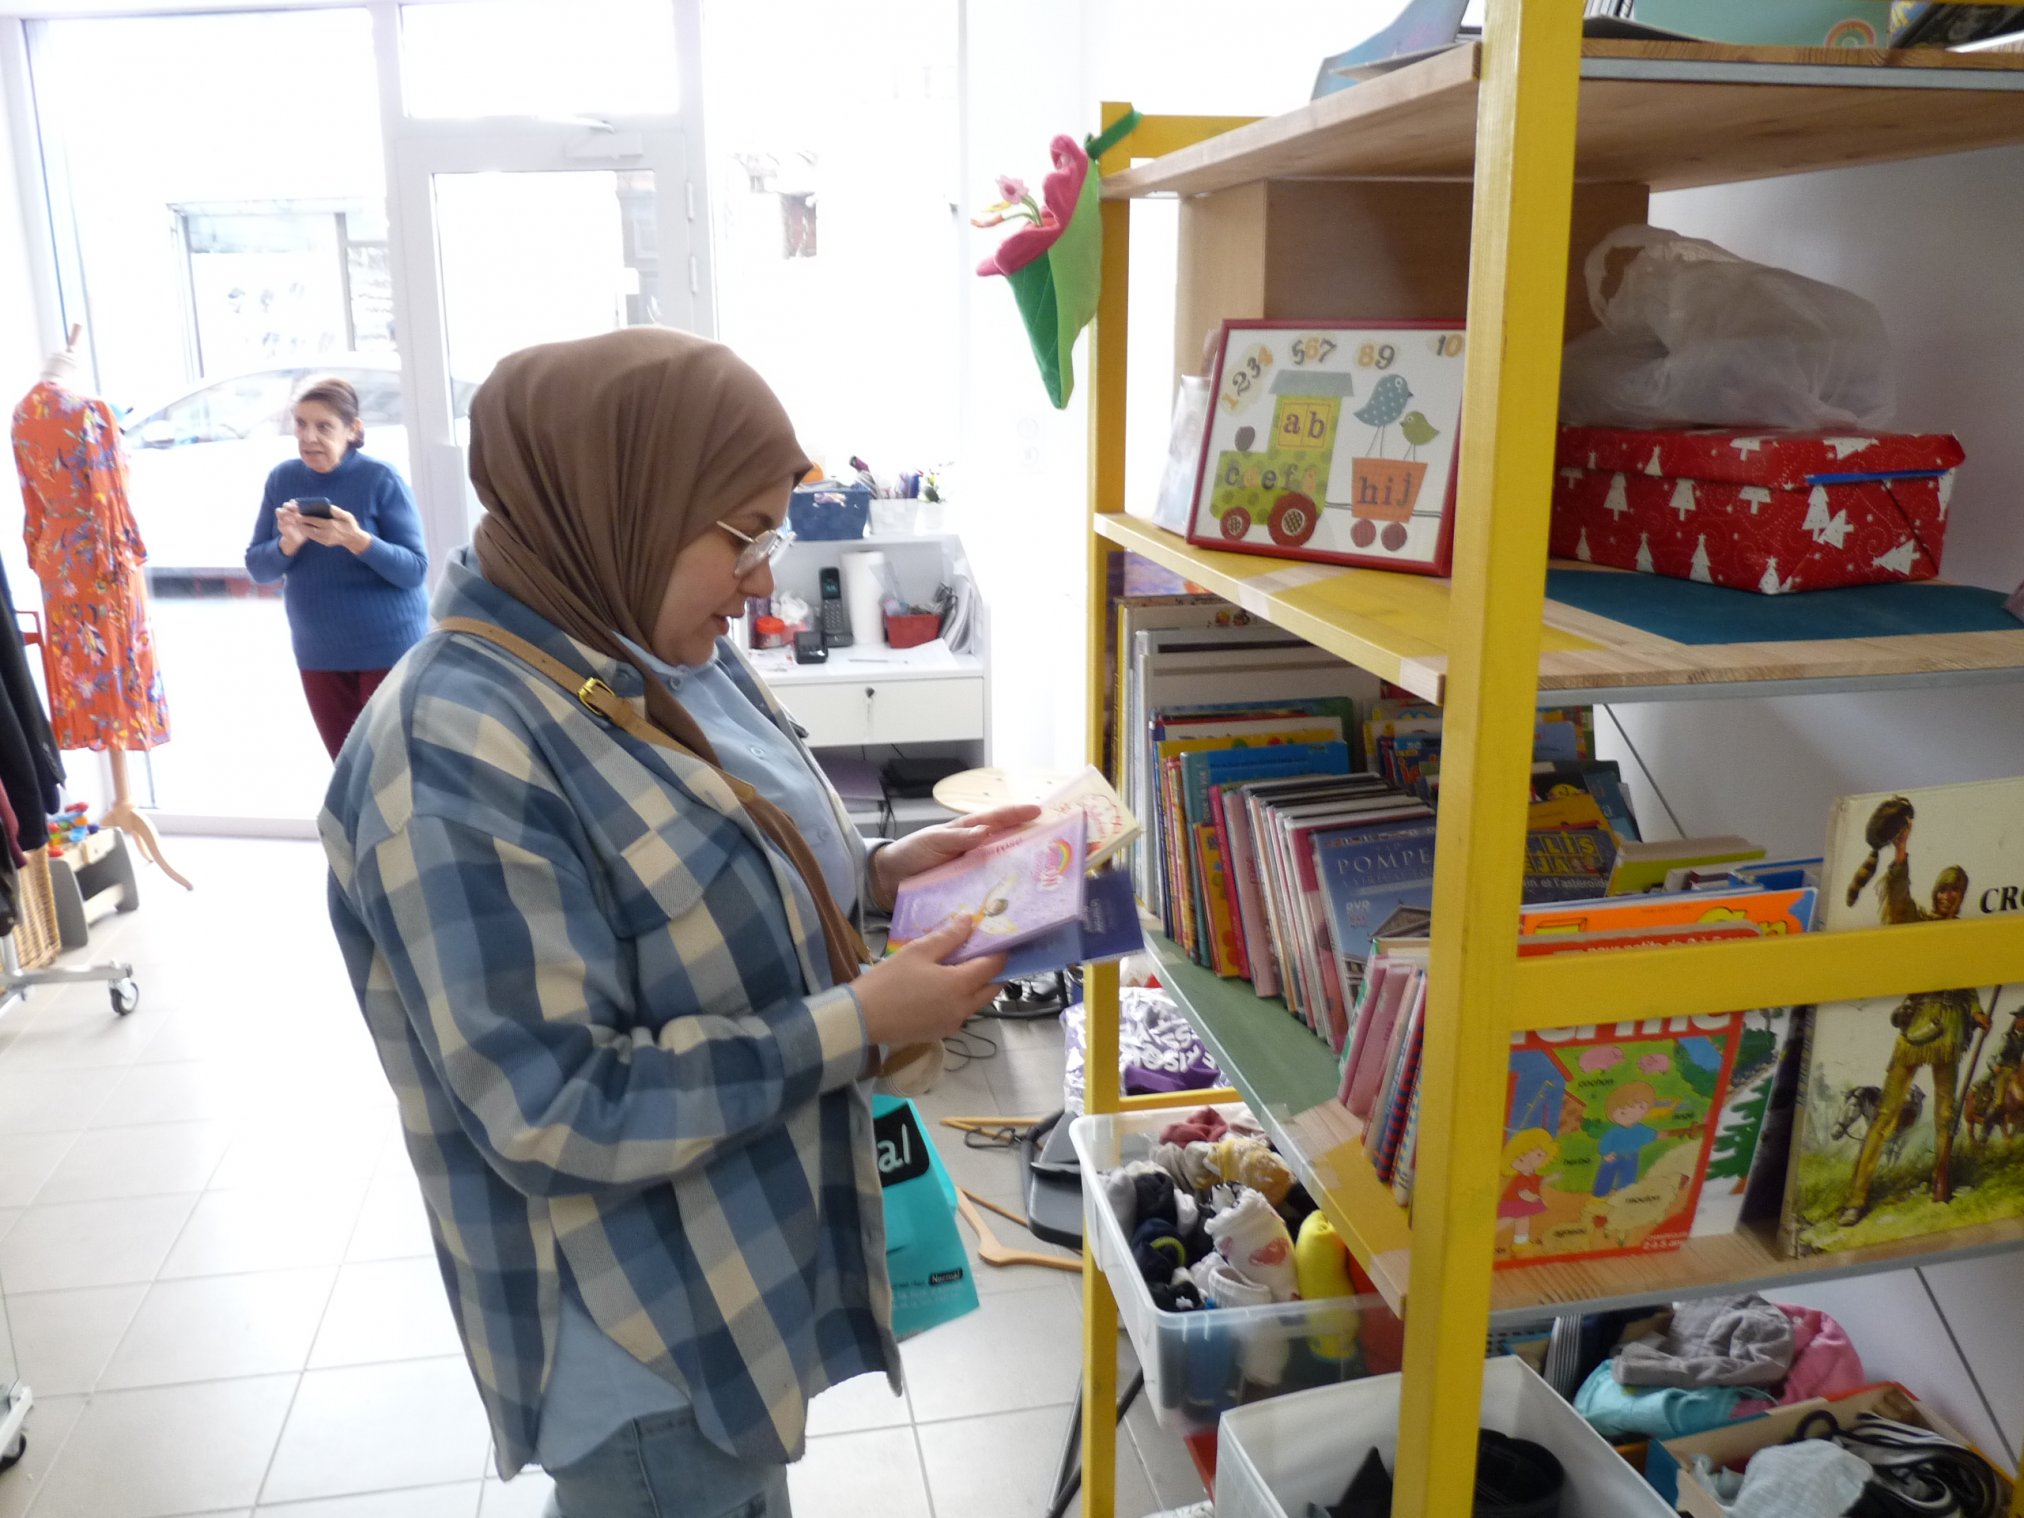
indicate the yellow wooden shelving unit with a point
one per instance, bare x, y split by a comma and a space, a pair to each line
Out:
1552, 133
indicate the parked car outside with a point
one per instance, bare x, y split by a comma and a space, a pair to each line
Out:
199, 458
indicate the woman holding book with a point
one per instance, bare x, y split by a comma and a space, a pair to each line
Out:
597, 903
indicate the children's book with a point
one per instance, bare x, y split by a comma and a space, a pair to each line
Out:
1770, 912
1391, 1132
1599, 778
1607, 1135
1111, 827
1363, 1066
1241, 802
1013, 889
1107, 929
1910, 1113
1366, 879
1643, 866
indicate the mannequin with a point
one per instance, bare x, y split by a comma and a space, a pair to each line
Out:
84, 547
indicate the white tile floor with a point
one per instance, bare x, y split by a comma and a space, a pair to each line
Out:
219, 1284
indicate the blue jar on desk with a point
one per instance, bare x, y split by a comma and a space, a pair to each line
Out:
829, 511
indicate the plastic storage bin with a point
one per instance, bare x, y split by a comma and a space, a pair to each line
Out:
1199, 1364
1272, 1460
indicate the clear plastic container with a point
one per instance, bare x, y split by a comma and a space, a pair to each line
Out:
1199, 1364
1272, 1461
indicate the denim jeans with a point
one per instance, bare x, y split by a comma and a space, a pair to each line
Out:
662, 1467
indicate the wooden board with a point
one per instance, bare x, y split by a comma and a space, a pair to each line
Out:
1396, 627
1707, 114
1298, 250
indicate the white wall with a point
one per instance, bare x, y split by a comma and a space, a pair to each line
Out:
1935, 244
1030, 71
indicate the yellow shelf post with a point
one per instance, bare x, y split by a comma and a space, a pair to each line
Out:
1108, 339
1517, 296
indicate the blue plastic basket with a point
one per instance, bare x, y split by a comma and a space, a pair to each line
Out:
829, 512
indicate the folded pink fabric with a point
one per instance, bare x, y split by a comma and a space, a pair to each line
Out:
1824, 1362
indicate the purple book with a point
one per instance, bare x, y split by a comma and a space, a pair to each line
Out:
1013, 888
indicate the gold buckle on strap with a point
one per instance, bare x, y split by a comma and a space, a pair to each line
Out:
587, 690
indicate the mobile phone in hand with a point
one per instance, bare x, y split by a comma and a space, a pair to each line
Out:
313, 506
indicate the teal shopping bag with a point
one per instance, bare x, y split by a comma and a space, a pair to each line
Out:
924, 1252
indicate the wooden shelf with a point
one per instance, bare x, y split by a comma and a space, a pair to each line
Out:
1667, 115
1396, 626
1289, 1078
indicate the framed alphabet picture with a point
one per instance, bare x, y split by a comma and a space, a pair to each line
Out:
1335, 441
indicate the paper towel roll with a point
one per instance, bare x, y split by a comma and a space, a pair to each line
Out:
863, 589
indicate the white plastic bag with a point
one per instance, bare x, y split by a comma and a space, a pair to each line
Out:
1692, 335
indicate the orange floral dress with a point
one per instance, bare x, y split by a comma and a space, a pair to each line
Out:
84, 547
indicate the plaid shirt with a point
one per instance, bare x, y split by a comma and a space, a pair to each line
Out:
589, 979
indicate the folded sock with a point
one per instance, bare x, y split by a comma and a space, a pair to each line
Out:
1253, 1241
1221, 1286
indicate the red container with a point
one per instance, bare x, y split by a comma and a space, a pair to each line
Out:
1770, 512
913, 628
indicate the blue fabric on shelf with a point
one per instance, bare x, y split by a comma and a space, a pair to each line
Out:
1666, 1412
1688, 612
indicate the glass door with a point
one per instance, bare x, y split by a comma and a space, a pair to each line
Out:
529, 236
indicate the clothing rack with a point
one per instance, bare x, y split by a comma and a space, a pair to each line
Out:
15, 981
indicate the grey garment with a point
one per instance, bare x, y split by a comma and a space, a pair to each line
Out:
1810, 1479
1723, 1341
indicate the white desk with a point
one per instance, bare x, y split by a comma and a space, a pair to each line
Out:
880, 696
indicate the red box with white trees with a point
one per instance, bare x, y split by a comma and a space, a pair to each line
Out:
1771, 512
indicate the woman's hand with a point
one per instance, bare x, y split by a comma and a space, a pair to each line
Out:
340, 530
288, 522
938, 845
913, 998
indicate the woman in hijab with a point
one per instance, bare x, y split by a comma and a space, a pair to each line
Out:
596, 899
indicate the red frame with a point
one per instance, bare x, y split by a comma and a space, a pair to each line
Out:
1442, 560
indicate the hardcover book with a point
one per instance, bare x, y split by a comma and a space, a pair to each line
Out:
1012, 889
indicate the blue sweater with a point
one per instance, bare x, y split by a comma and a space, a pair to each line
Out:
347, 610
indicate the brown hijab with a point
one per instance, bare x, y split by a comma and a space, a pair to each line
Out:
600, 460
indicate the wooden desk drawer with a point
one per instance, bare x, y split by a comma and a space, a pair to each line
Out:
889, 711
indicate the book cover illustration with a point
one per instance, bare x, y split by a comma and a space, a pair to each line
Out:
1013, 888
1111, 826
1607, 1136
1375, 882
1911, 1108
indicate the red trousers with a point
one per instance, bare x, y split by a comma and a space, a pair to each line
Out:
336, 697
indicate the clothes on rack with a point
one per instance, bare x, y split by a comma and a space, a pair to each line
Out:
85, 548
31, 771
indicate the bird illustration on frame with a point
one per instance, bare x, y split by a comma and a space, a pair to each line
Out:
1387, 403
1418, 432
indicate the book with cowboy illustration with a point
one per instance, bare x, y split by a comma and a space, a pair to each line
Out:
1910, 1114
1012, 889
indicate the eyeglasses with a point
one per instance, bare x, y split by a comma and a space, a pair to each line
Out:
764, 549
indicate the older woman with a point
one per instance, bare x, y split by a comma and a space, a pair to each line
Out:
596, 901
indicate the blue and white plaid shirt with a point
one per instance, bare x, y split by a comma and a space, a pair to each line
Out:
589, 979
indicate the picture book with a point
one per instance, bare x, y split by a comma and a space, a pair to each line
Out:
1246, 807
1567, 863
1294, 904
1910, 1114
1189, 806
1367, 879
1107, 929
1643, 866
1607, 1135
1600, 778
1377, 1034
1782, 911
1013, 889
1390, 1132
1110, 826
